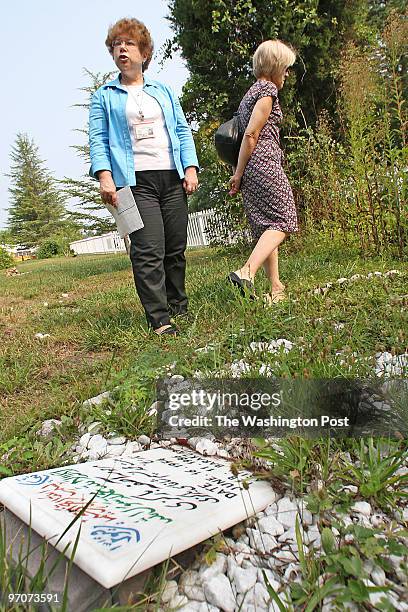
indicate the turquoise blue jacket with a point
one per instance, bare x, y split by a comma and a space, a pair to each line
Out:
109, 136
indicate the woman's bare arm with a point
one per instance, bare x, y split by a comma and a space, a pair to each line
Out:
259, 117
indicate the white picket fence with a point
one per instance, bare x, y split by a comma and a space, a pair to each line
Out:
197, 230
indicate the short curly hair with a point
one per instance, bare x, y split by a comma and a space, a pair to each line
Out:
134, 29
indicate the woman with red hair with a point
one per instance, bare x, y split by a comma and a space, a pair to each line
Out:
139, 136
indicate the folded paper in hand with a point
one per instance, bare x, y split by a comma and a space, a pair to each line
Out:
126, 213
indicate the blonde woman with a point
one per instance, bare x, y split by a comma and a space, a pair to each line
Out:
267, 195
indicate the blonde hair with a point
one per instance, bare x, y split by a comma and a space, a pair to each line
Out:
272, 57
134, 29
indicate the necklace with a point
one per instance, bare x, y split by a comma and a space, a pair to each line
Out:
137, 99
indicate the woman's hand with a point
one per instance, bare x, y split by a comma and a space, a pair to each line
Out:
235, 184
190, 182
107, 188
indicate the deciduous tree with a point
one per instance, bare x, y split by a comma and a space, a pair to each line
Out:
217, 39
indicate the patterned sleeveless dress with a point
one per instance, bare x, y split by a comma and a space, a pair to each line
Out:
267, 195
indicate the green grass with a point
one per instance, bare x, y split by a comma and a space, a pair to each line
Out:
98, 336
98, 340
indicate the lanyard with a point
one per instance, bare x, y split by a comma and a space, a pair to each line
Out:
137, 101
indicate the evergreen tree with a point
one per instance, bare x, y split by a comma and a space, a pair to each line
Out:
86, 190
37, 208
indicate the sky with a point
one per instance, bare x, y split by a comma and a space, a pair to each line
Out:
46, 46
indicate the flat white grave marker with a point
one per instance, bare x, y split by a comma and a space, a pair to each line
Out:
145, 509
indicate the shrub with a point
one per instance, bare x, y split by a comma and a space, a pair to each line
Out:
355, 181
50, 248
6, 260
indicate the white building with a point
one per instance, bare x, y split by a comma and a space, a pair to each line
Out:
19, 251
107, 243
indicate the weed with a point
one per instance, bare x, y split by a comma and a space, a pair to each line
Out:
337, 572
377, 477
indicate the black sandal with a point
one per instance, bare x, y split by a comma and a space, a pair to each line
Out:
245, 286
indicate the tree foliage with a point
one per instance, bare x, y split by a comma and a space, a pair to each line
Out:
218, 38
6, 237
37, 208
86, 190
379, 12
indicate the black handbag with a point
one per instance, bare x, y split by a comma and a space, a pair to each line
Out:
227, 140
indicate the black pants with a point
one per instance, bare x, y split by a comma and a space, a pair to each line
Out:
157, 250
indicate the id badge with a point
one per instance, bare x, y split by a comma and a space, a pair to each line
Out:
143, 130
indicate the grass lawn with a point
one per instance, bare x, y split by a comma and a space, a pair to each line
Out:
95, 338
98, 337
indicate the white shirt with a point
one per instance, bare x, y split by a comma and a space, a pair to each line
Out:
151, 143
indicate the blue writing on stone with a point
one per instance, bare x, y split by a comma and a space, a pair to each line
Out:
33, 480
114, 536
